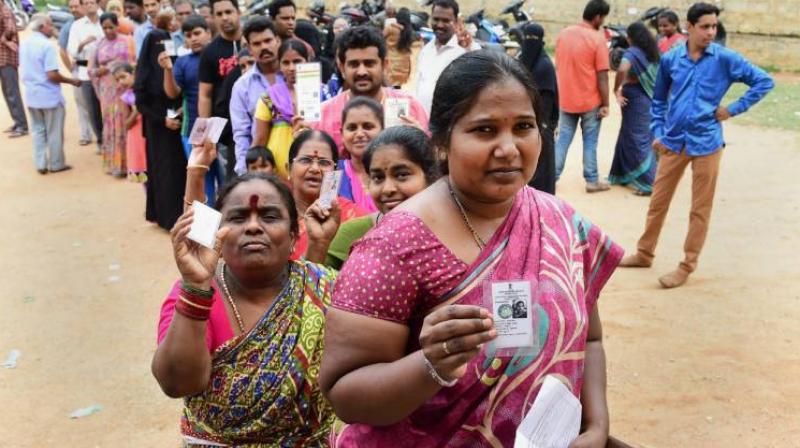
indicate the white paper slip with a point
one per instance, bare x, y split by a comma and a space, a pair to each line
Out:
205, 225
307, 85
214, 131
198, 133
553, 421
511, 306
172, 113
330, 188
207, 128
393, 109
169, 47
83, 72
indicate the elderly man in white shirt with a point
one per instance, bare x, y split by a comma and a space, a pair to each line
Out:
83, 37
437, 54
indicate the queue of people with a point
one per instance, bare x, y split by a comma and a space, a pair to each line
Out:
369, 321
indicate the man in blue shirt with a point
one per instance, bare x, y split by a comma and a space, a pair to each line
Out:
39, 66
687, 125
263, 43
151, 8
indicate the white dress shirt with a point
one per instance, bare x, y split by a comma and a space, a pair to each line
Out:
431, 62
80, 30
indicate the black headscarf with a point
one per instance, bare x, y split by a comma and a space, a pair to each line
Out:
533, 56
148, 86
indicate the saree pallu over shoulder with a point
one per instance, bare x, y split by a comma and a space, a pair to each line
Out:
567, 260
264, 385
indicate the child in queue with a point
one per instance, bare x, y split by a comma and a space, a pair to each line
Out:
259, 159
134, 141
362, 121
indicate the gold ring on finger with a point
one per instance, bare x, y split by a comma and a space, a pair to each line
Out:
444, 346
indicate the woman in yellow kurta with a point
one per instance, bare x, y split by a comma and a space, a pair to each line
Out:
275, 109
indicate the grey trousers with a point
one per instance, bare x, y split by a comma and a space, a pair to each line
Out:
93, 106
10, 80
83, 114
47, 129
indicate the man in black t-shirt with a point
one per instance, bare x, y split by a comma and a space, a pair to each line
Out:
218, 59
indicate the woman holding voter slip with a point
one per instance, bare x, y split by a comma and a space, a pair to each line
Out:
276, 109
427, 344
240, 334
166, 161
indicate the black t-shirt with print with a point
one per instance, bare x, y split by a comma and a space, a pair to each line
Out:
219, 59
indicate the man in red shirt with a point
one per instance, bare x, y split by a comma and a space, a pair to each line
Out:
582, 72
9, 61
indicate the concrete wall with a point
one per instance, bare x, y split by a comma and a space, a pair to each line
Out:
766, 31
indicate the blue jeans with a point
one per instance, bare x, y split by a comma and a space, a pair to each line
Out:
590, 129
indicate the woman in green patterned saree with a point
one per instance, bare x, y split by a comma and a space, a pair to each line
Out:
241, 337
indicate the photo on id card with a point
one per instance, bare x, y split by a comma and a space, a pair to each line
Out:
513, 307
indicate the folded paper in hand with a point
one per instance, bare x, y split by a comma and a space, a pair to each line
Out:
207, 128
204, 225
553, 421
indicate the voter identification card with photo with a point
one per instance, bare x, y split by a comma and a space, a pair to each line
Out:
393, 109
169, 47
309, 80
204, 225
330, 188
512, 310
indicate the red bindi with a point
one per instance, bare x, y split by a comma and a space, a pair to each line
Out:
254, 203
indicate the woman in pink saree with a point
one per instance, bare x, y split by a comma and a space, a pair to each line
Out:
408, 359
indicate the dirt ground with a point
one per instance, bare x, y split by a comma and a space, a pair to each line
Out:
712, 364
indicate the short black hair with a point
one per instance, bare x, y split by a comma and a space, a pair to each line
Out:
139, 3
296, 45
462, 82
276, 5
670, 16
259, 152
358, 38
283, 191
699, 10
202, 4
192, 22
257, 25
312, 134
123, 67
595, 8
109, 16
363, 101
235, 3
447, 4
415, 144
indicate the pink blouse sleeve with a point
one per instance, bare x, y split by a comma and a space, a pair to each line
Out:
168, 312
375, 282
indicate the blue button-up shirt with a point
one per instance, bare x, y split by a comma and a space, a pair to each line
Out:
139, 33
37, 56
688, 93
246, 92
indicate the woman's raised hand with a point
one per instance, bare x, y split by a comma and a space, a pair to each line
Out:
196, 263
454, 334
204, 154
322, 223
298, 125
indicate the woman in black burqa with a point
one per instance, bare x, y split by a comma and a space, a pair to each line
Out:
166, 161
535, 58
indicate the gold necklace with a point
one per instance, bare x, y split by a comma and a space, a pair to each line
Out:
478, 240
230, 299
